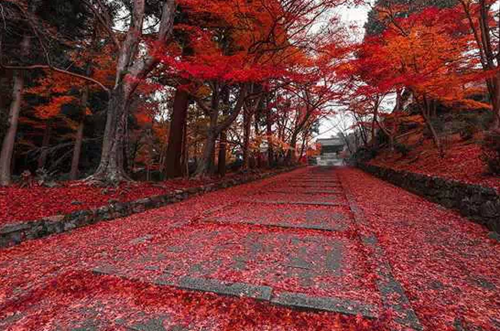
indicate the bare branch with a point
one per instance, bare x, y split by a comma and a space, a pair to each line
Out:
61, 71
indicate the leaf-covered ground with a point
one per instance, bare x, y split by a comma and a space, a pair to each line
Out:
448, 266
31, 203
251, 234
462, 162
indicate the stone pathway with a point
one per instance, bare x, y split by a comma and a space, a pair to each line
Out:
294, 252
297, 244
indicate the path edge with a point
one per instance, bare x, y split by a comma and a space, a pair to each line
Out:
15, 233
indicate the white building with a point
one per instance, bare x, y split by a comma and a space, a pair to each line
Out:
330, 151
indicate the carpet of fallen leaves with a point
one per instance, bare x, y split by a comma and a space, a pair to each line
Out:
447, 264
74, 301
32, 203
462, 162
47, 283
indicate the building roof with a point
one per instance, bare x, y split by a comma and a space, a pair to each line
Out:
331, 142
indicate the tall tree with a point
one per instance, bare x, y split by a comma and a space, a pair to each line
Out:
132, 67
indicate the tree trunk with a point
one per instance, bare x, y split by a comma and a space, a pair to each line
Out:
483, 38
185, 152
269, 132
111, 168
5, 92
176, 135
42, 160
129, 63
204, 163
435, 136
290, 156
14, 111
221, 165
10, 136
257, 134
374, 141
247, 121
212, 168
303, 146
215, 129
77, 150
496, 102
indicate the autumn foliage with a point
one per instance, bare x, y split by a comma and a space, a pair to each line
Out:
240, 79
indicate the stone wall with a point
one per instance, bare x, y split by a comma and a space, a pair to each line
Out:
15, 233
478, 203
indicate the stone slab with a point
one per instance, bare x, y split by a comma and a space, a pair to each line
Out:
336, 305
323, 263
308, 192
285, 225
291, 217
312, 203
223, 288
312, 186
154, 324
14, 227
293, 300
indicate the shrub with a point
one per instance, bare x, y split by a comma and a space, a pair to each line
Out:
491, 151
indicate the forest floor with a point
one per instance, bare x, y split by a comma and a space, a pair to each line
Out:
314, 249
19, 204
462, 162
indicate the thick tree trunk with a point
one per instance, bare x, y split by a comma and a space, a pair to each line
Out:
111, 168
173, 162
496, 102
10, 136
290, 156
215, 129
47, 134
204, 165
130, 63
77, 150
